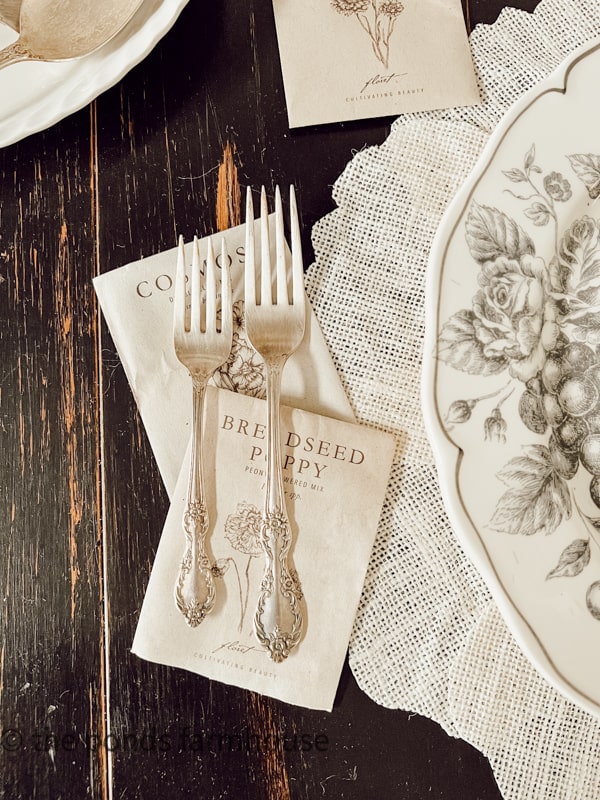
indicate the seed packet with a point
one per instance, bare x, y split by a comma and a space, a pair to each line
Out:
358, 59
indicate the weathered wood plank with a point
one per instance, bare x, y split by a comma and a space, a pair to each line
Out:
51, 680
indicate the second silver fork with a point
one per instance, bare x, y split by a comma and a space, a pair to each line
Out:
275, 328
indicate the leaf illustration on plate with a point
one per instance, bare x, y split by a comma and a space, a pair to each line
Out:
573, 560
578, 270
530, 157
515, 175
587, 167
579, 256
538, 213
490, 234
537, 500
459, 347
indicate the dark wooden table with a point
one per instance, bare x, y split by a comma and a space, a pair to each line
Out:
81, 501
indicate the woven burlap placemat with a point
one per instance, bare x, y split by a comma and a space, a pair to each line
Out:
428, 637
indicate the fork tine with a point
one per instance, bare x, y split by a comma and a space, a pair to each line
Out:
226, 305
297, 266
196, 289
249, 266
179, 312
265, 252
211, 291
282, 293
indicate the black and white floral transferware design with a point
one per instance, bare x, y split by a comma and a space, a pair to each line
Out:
512, 375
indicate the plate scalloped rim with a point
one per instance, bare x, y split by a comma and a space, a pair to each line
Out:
446, 454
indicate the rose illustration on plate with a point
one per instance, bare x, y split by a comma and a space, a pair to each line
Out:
514, 316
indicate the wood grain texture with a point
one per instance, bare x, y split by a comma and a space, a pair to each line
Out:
51, 681
168, 151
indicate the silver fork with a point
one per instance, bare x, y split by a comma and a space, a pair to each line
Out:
202, 347
275, 328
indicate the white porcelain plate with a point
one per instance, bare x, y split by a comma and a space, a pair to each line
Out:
35, 95
512, 372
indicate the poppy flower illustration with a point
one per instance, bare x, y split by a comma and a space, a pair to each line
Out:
242, 530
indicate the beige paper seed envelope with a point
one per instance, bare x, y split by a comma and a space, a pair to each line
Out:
335, 476
358, 59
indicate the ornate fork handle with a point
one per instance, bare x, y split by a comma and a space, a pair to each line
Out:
195, 586
278, 618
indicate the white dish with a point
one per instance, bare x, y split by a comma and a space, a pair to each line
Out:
511, 385
35, 95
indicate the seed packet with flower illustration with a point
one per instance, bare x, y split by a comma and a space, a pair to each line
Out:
335, 476
358, 59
